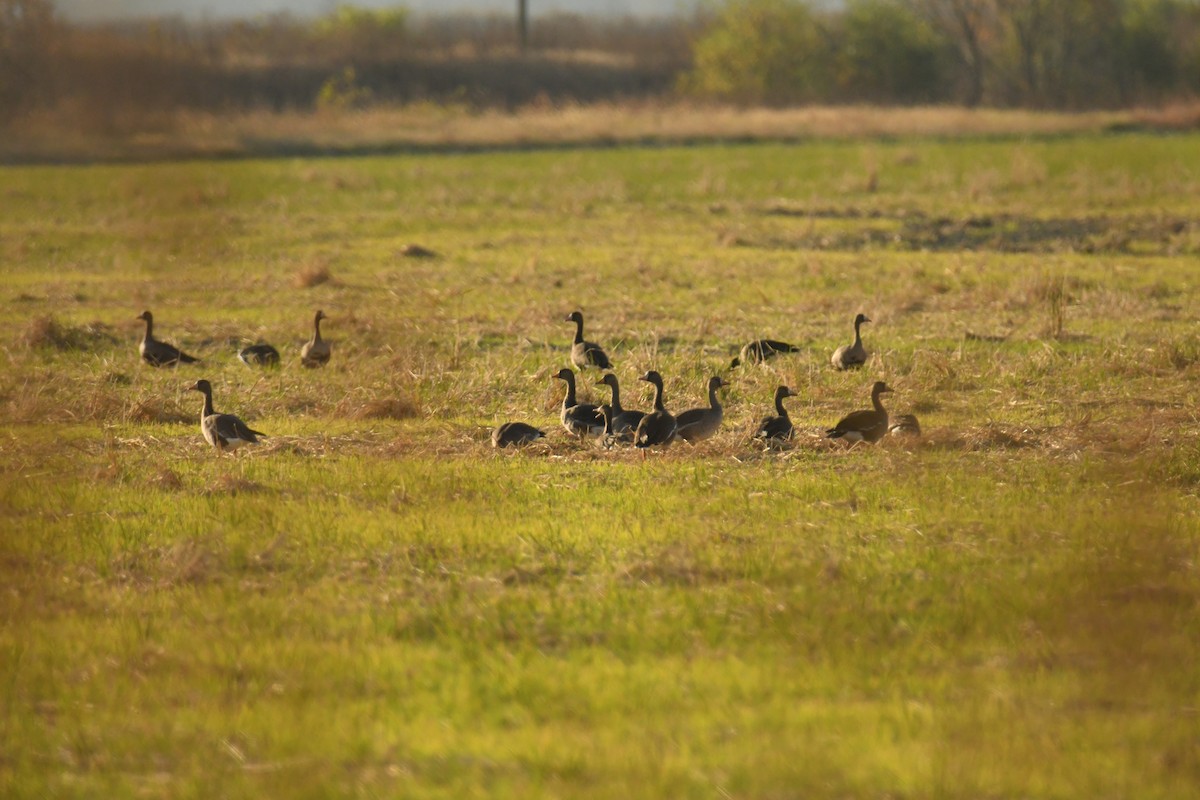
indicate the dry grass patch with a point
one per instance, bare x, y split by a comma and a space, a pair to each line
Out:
45, 332
312, 274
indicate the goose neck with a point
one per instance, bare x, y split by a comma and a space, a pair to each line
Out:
878, 403
779, 409
857, 332
578, 330
569, 399
207, 411
317, 328
658, 397
713, 400
616, 398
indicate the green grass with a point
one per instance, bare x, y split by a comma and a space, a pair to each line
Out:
376, 603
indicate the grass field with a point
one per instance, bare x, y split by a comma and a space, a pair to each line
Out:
376, 603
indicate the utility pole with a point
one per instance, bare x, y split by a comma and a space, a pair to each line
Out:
523, 24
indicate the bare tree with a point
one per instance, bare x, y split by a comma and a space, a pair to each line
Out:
969, 24
27, 28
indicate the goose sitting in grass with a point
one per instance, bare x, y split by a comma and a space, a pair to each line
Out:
657, 427
762, 349
160, 354
578, 418
624, 421
259, 355
905, 425
851, 356
779, 427
869, 425
224, 432
698, 424
515, 434
316, 351
585, 354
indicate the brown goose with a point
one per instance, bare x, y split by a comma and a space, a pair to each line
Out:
905, 425
777, 428
624, 422
224, 432
515, 434
585, 354
761, 350
850, 356
160, 354
698, 424
578, 418
259, 355
657, 427
869, 425
316, 350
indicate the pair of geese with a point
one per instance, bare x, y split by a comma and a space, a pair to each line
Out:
315, 352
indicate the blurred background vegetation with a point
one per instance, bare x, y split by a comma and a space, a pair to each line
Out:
1044, 54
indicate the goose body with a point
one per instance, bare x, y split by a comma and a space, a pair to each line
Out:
316, 351
224, 432
515, 434
698, 424
851, 356
578, 418
160, 354
259, 355
779, 427
657, 427
624, 421
869, 425
905, 425
762, 349
585, 354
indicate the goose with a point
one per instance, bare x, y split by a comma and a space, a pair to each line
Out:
316, 350
224, 432
849, 356
608, 439
515, 434
869, 425
259, 355
578, 418
777, 428
761, 350
698, 424
905, 425
657, 427
160, 354
624, 422
585, 354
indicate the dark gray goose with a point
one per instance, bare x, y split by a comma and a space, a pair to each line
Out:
585, 354
762, 349
850, 356
515, 434
624, 421
779, 427
698, 424
578, 418
905, 425
869, 425
316, 351
259, 355
160, 354
224, 432
657, 427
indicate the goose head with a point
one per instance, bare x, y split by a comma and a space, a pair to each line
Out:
881, 388
574, 316
565, 374
145, 316
320, 316
608, 380
202, 386
783, 392
860, 319
652, 377
716, 382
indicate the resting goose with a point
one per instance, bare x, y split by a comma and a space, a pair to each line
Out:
259, 355
624, 422
578, 418
585, 354
869, 425
657, 427
698, 424
777, 428
316, 351
761, 350
849, 356
905, 425
515, 434
160, 354
224, 432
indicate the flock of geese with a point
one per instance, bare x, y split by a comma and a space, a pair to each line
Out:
611, 423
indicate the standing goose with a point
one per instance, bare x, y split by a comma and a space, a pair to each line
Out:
316, 351
259, 355
585, 354
156, 353
761, 350
777, 428
224, 432
578, 418
515, 434
850, 356
905, 425
657, 427
869, 425
624, 422
698, 424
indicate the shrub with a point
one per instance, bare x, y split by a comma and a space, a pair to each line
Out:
889, 54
